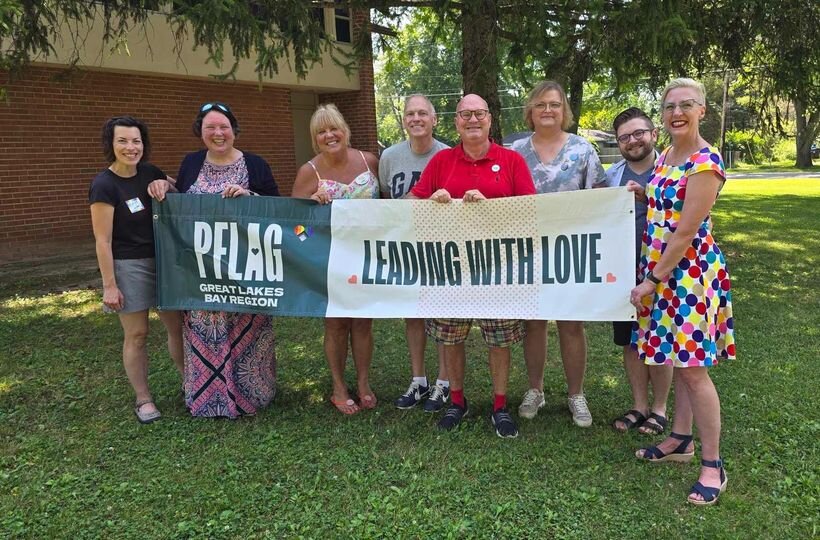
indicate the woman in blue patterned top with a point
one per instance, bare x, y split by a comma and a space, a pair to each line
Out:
559, 161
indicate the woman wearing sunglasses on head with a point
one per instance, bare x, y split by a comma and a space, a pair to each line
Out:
341, 172
559, 161
120, 199
230, 362
684, 301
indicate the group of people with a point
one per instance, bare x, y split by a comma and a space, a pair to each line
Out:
682, 293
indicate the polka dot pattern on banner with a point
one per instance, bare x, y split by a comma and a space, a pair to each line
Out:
514, 217
689, 321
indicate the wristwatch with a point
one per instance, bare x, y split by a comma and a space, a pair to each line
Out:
651, 277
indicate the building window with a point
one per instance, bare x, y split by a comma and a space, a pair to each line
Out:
319, 15
343, 31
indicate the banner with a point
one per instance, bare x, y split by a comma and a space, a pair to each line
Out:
564, 256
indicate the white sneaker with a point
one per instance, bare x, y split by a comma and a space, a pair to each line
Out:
530, 403
580, 410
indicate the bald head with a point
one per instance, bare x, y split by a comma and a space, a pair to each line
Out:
472, 101
475, 129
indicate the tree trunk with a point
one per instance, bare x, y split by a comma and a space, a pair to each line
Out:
479, 62
808, 127
572, 71
576, 96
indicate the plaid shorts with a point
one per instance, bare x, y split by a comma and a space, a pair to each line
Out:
496, 332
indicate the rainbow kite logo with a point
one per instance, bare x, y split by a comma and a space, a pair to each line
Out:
303, 233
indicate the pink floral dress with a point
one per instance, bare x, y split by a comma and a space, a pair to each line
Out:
230, 361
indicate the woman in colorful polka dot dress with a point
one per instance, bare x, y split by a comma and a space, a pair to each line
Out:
684, 301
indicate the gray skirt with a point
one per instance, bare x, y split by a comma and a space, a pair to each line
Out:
137, 281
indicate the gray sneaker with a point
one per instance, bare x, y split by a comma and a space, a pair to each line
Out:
580, 410
530, 403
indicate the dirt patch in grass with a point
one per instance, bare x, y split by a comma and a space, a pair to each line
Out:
63, 268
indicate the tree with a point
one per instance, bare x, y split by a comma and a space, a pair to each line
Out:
425, 57
774, 43
571, 42
416, 61
784, 63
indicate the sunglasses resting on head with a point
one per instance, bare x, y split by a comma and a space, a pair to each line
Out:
215, 105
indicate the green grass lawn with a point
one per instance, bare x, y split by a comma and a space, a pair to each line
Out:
74, 463
775, 166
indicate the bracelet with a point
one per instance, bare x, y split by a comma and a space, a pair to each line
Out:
653, 278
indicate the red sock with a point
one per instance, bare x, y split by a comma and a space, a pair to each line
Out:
458, 397
500, 402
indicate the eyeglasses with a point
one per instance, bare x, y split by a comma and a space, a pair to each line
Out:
215, 105
637, 135
480, 114
553, 106
685, 106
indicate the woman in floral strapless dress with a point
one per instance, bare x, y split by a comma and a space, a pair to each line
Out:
341, 172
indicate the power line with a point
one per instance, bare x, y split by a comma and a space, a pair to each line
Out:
442, 94
442, 113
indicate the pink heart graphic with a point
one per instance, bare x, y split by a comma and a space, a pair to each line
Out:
353, 279
610, 277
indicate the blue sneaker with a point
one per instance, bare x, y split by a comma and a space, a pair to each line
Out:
504, 425
438, 398
452, 417
414, 395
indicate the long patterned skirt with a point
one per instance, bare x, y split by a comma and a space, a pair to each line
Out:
230, 363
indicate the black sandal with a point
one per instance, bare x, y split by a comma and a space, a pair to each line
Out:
653, 454
628, 422
710, 494
654, 425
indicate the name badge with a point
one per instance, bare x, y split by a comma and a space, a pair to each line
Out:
135, 205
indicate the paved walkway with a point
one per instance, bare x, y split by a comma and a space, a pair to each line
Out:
740, 175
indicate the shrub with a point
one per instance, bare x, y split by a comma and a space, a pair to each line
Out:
748, 142
785, 150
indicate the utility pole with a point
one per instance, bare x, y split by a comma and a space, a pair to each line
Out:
723, 114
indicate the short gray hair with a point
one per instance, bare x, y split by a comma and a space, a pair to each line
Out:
422, 96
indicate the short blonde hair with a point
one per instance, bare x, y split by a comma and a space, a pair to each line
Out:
541, 88
326, 116
684, 82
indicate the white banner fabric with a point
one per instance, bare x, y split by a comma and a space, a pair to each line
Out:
560, 256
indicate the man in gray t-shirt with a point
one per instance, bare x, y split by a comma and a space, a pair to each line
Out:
400, 167
637, 136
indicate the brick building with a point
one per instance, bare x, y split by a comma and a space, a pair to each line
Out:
50, 125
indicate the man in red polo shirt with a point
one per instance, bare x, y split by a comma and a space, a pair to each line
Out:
475, 170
